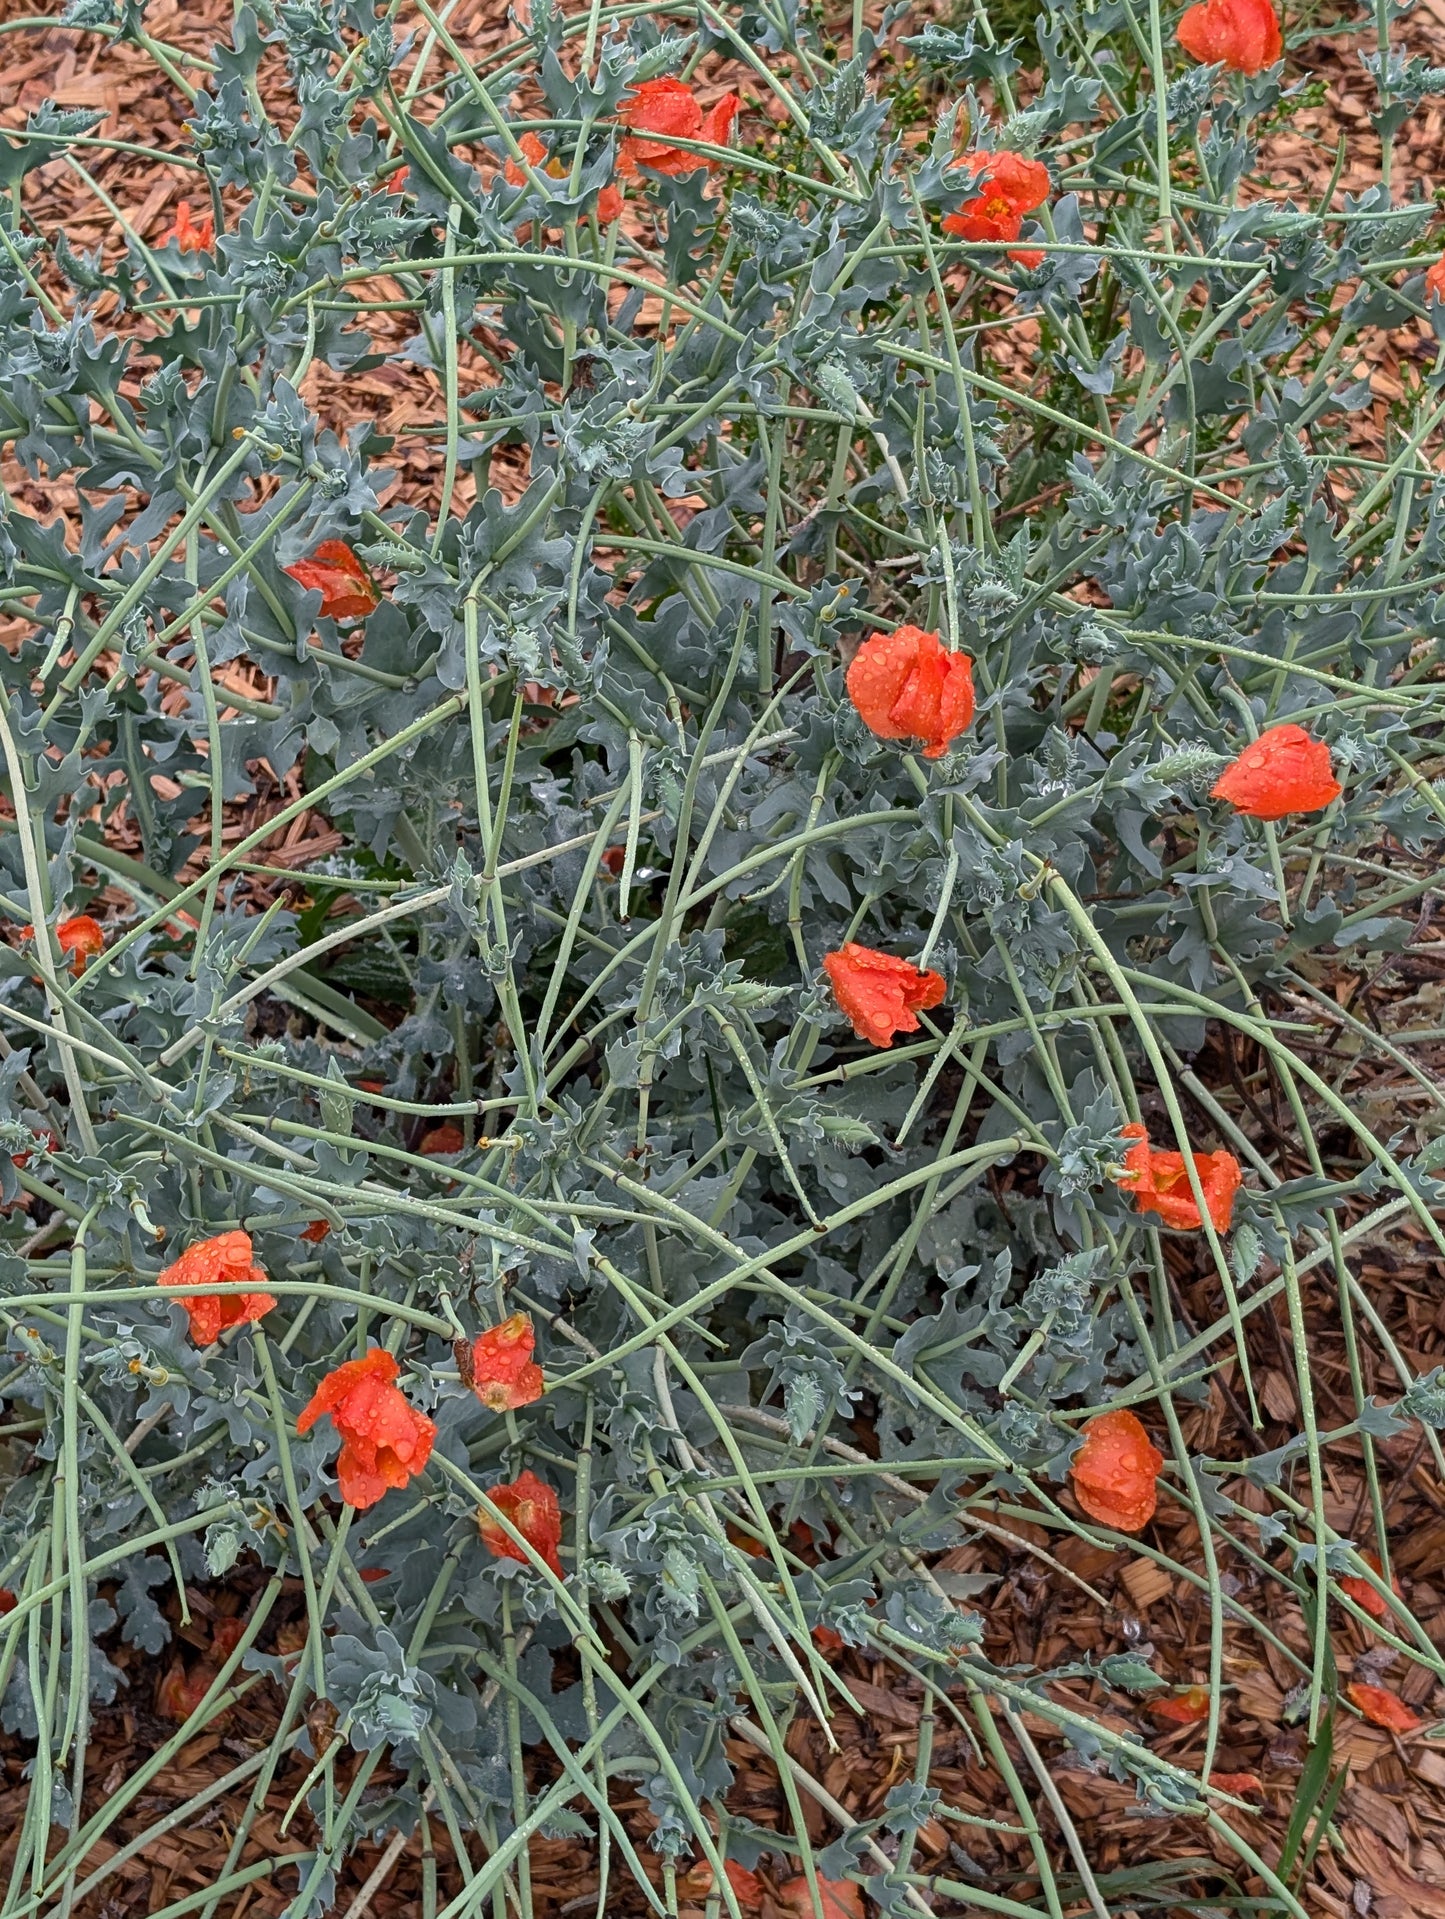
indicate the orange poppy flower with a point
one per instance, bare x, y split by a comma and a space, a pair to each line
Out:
225, 1260
839, 1898
316, 1231
1283, 772
1159, 1182
442, 1140
746, 1885
191, 236
226, 1635
1184, 1708
1243, 1785
385, 1441
1242, 35
1006, 186
829, 1641
745, 1542
699, 1880
503, 1374
80, 939
534, 1509
1363, 1593
609, 200
1115, 1470
179, 1692
880, 994
1382, 1708
337, 574
1435, 281
661, 111
905, 685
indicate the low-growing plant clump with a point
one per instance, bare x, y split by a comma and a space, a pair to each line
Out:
905, 660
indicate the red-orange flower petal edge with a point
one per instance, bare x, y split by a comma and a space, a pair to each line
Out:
347, 590
1284, 771
316, 1231
534, 153
504, 1376
906, 685
609, 201
661, 111
747, 1887
1366, 1596
385, 1441
191, 236
179, 1692
226, 1635
1006, 186
1382, 1708
442, 1140
225, 1260
700, 1879
881, 994
1159, 1182
1243, 35
1115, 1471
840, 1898
1185, 1708
82, 938
534, 1509
1241, 1785
377, 1365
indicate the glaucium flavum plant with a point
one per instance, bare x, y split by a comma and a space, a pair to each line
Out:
877, 662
